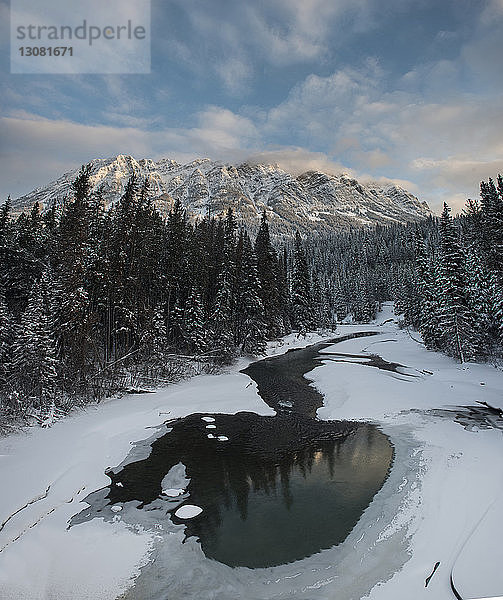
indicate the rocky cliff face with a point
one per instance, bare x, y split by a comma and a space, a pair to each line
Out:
312, 201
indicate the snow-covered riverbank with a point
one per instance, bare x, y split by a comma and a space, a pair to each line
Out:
444, 479
45, 473
458, 476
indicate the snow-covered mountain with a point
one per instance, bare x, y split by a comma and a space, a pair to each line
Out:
312, 201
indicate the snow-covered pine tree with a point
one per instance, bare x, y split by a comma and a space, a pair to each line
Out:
194, 325
26, 259
267, 269
339, 303
478, 294
223, 312
175, 257
321, 305
6, 341
159, 343
285, 300
492, 224
302, 298
34, 349
427, 300
70, 263
249, 326
123, 248
221, 319
492, 243
7, 248
458, 333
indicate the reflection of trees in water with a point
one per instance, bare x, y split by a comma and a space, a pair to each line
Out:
265, 456
238, 473
261, 457
261, 454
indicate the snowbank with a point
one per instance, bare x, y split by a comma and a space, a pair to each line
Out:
45, 474
458, 479
439, 504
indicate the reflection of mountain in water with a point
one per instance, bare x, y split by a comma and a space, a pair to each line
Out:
281, 488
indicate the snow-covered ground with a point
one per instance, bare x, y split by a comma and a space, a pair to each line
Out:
451, 511
441, 503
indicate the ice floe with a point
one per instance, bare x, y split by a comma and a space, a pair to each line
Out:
173, 492
188, 511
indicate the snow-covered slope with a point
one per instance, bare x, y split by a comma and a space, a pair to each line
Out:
310, 201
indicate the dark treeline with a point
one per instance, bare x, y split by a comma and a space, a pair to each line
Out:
361, 268
454, 294
444, 274
93, 301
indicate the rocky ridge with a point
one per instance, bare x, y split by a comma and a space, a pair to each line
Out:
312, 201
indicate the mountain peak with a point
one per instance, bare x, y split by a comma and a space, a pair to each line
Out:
312, 201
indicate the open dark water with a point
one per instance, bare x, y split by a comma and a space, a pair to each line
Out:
273, 489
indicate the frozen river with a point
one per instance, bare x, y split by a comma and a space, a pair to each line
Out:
272, 489
399, 473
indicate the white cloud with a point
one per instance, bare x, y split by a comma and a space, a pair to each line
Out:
351, 116
447, 176
36, 150
350, 112
298, 160
493, 10
229, 42
235, 74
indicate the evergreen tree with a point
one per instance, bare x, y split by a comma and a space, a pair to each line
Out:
6, 341
426, 301
285, 300
457, 323
34, 350
221, 322
302, 299
194, 323
175, 258
159, 345
478, 294
492, 224
25, 256
268, 274
249, 326
223, 311
70, 263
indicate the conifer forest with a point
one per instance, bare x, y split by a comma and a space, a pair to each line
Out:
95, 302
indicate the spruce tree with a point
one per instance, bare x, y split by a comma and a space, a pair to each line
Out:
6, 341
194, 325
456, 322
34, 349
249, 325
268, 274
224, 304
426, 312
492, 224
70, 263
302, 299
175, 258
221, 321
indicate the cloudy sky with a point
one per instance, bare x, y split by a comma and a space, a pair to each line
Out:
408, 90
